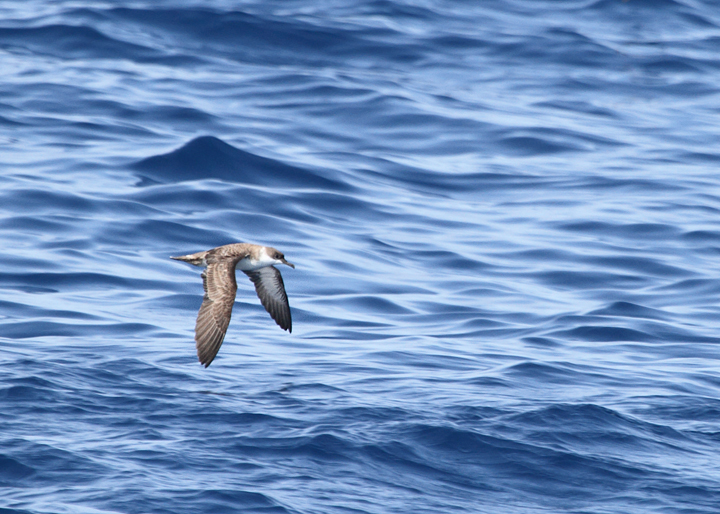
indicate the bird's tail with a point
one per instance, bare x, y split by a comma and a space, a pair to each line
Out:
196, 259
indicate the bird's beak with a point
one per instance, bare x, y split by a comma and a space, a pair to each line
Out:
288, 263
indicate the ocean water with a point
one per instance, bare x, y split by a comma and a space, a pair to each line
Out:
505, 218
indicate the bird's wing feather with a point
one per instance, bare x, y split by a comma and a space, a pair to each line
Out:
214, 316
271, 291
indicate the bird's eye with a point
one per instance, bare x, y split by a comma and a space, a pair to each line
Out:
279, 256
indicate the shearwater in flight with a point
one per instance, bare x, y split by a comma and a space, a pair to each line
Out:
256, 262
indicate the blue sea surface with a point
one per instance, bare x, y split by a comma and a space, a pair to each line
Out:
505, 217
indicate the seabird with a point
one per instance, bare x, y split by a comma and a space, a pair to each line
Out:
256, 262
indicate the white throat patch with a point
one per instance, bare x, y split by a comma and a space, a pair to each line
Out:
250, 264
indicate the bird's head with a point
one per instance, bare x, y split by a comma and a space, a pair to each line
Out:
278, 256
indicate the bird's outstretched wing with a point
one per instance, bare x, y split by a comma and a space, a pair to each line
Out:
271, 291
216, 309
